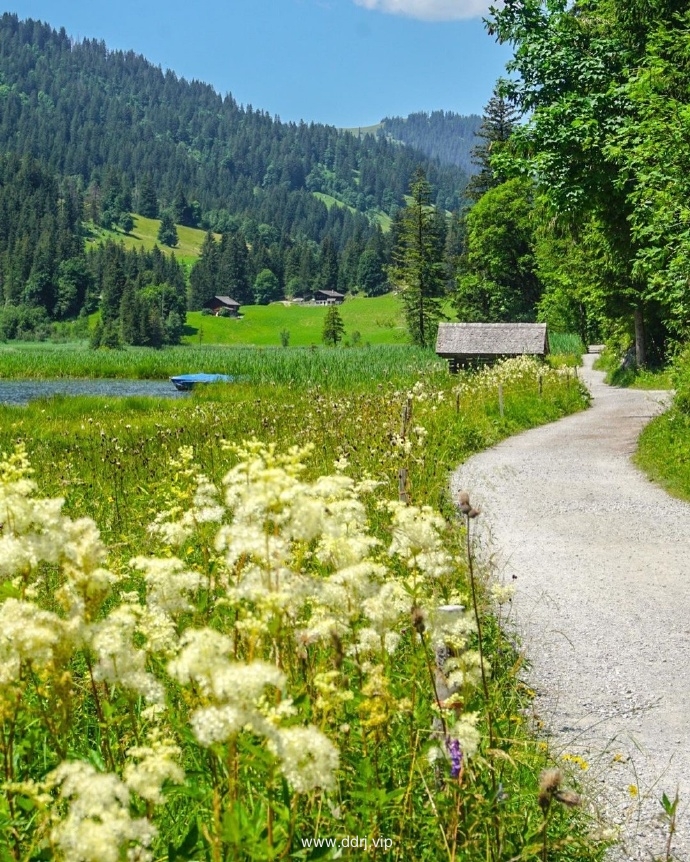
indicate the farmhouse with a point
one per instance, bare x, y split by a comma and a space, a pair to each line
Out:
465, 344
219, 302
328, 297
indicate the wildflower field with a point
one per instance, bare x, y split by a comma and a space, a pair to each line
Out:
215, 646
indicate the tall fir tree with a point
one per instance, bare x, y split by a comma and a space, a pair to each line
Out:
148, 201
497, 126
167, 232
418, 269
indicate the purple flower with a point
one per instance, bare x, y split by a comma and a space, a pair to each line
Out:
455, 754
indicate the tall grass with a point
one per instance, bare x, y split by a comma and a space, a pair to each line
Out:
566, 342
298, 366
664, 445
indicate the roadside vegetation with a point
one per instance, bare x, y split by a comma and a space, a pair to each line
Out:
231, 674
622, 372
664, 445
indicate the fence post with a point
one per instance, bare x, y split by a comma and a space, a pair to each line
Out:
500, 400
403, 495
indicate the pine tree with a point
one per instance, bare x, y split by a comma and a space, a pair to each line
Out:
148, 202
497, 125
333, 327
418, 269
167, 232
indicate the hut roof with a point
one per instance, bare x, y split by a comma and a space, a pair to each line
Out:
491, 339
226, 300
331, 294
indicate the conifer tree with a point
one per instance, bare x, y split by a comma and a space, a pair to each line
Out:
497, 126
148, 202
167, 232
418, 269
333, 327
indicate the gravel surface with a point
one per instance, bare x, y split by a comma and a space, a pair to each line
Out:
600, 558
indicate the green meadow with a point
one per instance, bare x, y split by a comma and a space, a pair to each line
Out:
377, 320
144, 234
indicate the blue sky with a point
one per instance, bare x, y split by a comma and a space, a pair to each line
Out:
343, 62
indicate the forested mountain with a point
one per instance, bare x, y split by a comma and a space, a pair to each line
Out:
441, 135
82, 109
92, 136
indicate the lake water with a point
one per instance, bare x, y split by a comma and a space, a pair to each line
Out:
23, 391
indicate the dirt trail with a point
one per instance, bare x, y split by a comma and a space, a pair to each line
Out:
601, 561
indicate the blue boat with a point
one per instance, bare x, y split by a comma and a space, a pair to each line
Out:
185, 382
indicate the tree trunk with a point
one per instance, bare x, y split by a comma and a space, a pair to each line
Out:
640, 351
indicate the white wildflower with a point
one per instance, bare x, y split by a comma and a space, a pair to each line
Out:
157, 763
465, 731
120, 662
502, 593
466, 669
417, 538
218, 723
27, 635
98, 825
202, 652
168, 583
308, 758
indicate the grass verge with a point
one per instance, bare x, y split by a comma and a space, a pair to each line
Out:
664, 446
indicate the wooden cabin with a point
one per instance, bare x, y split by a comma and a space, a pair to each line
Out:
328, 297
471, 344
219, 302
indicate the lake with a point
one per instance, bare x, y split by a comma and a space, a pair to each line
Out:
23, 391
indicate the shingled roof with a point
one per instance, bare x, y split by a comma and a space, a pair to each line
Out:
491, 339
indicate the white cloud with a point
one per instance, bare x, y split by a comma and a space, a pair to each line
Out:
430, 10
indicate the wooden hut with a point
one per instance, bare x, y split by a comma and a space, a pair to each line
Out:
466, 344
328, 297
219, 302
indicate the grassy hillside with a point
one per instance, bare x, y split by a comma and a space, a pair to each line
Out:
377, 319
377, 216
145, 233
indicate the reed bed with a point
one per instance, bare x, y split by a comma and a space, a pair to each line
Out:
293, 366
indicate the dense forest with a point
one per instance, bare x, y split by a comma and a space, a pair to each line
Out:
81, 109
591, 191
96, 135
442, 135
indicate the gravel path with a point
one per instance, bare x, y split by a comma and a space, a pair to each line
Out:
601, 561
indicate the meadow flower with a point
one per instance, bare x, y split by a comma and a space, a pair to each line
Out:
98, 826
119, 661
465, 669
417, 538
168, 583
308, 758
502, 593
202, 651
28, 635
155, 764
455, 754
465, 732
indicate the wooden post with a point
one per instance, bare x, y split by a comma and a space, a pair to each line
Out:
403, 496
541, 384
500, 400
